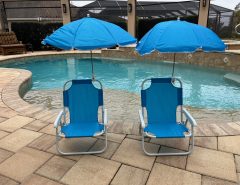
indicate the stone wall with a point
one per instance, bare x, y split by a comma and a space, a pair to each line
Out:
228, 61
47, 56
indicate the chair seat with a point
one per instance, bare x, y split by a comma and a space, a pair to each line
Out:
166, 130
73, 130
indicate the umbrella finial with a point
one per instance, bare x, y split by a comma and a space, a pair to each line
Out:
88, 15
178, 18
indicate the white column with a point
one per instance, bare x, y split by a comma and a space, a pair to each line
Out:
131, 17
66, 11
203, 12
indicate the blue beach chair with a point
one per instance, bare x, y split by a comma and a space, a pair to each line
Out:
82, 100
162, 100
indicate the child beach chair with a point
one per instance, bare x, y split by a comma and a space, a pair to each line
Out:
82, 100
161, 101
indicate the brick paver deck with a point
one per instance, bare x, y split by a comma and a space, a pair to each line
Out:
28, 154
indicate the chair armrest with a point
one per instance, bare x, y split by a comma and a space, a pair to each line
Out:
189, 117
105, 118
141, 119
58, 119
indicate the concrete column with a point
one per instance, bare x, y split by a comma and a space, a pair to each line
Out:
3, 17
66, 12
203, 12
131, 24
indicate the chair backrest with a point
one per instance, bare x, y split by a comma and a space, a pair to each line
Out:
83, 100
161, 100
8, 38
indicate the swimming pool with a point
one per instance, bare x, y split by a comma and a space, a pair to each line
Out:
202, 87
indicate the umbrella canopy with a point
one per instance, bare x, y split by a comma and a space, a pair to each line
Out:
179, 37
88, 34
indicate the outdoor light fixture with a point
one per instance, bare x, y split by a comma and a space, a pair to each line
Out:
129, 8
204, 3
64, 7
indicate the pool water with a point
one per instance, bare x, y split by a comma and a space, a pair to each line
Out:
202, 87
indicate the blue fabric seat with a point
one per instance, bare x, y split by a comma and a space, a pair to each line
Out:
161, 101
74, 130
167, 130
82, 100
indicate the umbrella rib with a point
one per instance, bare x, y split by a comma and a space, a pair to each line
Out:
145, 43
196, 36
76, 34
146, 39
164, 34
110, 34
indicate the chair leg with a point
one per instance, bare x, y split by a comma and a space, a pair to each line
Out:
191, 146
80, 153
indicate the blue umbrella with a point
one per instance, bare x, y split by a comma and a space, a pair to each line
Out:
179, 37
88, 34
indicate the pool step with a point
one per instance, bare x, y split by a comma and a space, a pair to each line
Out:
233, 77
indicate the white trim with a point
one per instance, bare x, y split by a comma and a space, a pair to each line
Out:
58, 119
105, 120
141, 119
189, 117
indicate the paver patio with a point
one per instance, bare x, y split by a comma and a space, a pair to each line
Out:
28, 152
162, 174
130, 175
16, 140
213, 163
56, 167
23, 163
229, 144
91, 170
130, 153
175, 161
14, 123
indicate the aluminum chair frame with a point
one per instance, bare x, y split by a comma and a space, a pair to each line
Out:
183, 111
61, 121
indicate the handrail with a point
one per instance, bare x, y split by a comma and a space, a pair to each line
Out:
236, 29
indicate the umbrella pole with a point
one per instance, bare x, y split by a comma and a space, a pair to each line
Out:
174, 59
92, 66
